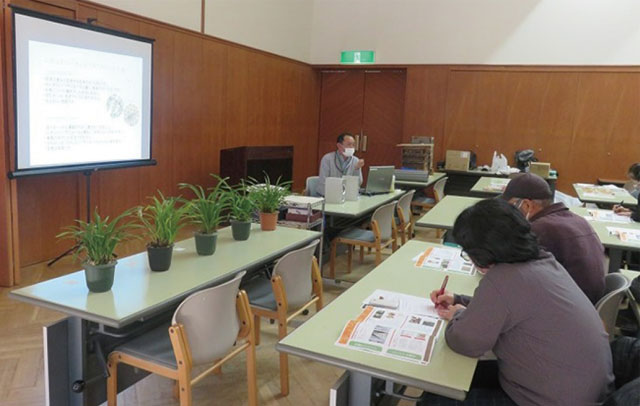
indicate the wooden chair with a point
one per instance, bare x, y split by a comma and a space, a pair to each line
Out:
295, 285
382, 234
208, 328
310, 186
426, 203
405, 219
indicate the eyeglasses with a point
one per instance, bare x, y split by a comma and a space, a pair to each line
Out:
465, 256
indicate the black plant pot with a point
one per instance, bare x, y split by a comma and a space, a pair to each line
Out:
99, 278
160, 258
240, 230
206, 243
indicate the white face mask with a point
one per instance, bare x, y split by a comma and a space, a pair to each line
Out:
349, 151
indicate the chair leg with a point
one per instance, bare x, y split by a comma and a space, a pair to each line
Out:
176, 390
256, 324
112, 381
438, 233
284, 361
332, 260
349, 258
252, 385
362, 254
378, 255
394, 244
403, 236
185, 392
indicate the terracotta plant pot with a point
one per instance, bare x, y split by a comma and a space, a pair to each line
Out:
240, 230
99, 278
160, 258
268, 221
206, 243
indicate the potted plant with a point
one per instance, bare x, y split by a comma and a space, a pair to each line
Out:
95, 244
241, 210
268, 198
205, 211
162, 219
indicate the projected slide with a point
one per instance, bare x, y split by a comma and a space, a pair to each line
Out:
85, 105
83, 96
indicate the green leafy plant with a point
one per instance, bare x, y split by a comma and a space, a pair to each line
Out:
241, 204
96, 241
207, 208
267, 196
162, 219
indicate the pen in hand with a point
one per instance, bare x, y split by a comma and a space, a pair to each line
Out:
441, 292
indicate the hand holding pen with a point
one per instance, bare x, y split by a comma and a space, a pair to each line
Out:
442, 297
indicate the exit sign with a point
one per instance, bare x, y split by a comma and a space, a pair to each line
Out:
357, 57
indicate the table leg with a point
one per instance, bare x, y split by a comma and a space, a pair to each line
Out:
360, 389
615, 260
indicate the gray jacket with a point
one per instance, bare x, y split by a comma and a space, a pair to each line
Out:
547, 336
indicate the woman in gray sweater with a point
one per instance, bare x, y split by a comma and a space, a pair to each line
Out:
549, 341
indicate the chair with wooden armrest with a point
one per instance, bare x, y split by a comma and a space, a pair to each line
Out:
208, 328
382, 234
295, 285
405, 219
616, 286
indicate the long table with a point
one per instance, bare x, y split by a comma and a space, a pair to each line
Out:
361, 207
461, 182
76, 346
448, 373
616, 196
614, 244
443, 215
410, 184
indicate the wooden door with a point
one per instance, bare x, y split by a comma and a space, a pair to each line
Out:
341, 107
366, 103
382, 117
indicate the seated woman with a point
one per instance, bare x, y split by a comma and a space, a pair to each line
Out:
549, 341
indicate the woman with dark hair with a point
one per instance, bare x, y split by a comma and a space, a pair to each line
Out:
549, 341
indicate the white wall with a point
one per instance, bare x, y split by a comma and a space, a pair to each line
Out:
540, 32
279, 26
183, 13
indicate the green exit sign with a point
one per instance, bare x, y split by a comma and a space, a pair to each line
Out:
357, 57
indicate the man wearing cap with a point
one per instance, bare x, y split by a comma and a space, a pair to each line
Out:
566, 235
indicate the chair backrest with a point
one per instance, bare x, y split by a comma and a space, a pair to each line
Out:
295, 271
616, 285
311, 185
210, 320
438, 189
404, 203
384, 217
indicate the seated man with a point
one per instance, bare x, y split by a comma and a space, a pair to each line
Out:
566, 235
340, 163
550, 344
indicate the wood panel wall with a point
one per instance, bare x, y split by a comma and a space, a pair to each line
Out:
585, 121
208, 94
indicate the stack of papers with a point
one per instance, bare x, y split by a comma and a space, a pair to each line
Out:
396, 333
496, 185
607, 216
625, 234
444, 259
605, 191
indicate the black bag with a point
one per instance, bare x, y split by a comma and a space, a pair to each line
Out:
524, 158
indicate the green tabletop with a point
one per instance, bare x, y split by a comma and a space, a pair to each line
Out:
608, 240
448, 373
490, 185
363, 205
615, 196
480, 172
444, 214
138, 292
433, 178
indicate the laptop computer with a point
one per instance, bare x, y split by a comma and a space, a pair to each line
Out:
379, 180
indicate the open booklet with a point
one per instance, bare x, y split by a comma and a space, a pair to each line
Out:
445, 259
407, 332
607, 216
496, 185
604, 191
625, 234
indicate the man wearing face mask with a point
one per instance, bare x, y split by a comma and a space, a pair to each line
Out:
566, 235
340, 163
